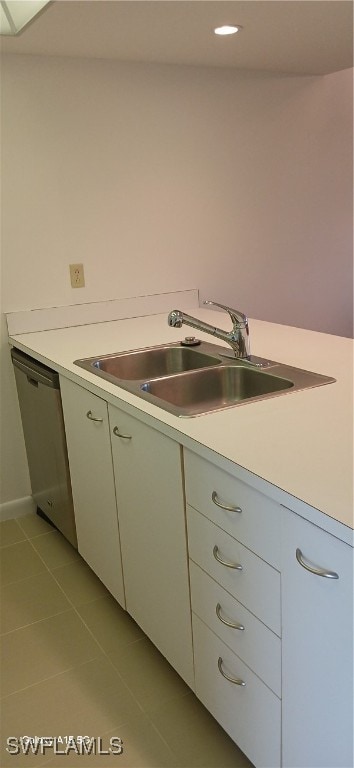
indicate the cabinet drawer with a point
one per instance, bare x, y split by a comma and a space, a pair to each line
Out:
256, 586
257, 525
255, 644
250, 714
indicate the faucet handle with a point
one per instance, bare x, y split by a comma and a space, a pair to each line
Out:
237, 317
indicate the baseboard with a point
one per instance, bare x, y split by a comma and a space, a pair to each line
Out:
17, 508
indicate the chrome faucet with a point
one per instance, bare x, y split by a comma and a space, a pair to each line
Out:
238, 337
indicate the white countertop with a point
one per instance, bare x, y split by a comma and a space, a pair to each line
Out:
300, 442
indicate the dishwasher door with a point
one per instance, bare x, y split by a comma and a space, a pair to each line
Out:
43, 427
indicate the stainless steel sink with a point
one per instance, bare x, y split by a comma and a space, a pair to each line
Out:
214, 388
154, 362
190, 381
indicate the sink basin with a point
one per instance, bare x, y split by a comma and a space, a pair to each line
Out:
190, 381
209, 390
153, 362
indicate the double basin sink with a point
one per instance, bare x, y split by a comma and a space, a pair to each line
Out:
194, 380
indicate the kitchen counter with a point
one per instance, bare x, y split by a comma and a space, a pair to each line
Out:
300, 443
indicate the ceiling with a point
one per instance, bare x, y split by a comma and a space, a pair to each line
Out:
303, 37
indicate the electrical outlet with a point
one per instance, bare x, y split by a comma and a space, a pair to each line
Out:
77, 277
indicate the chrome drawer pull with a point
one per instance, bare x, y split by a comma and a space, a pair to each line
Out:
227, 507
314, 569
236, 566
227, 621
235, 680
119, 434
92, 418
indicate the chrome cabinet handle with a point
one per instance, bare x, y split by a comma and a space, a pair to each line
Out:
235, 680
92, 418
119, 434
313, 569
228, 507
227, 622
236, 566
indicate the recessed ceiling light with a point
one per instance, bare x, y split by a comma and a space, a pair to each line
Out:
227, 29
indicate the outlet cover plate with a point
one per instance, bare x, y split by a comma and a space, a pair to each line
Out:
77, 277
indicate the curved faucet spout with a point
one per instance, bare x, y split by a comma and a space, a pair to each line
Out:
238, 337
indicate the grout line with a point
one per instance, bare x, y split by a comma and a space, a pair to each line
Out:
37, 621
44, 533
71, 607
45, 679
50, 527
102, 651
15, 543
75, 609
108, 658
11, 544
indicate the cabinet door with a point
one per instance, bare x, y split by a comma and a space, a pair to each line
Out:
151, 512
90, 460
317, 658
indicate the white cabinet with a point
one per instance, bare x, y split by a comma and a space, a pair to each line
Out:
130, 518
317, 648
234, 535
262, 613
90, 460
297, 636
148, 474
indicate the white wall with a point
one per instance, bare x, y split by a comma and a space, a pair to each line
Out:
164, 178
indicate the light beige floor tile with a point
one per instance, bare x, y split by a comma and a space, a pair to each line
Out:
148, 675
90, 699
79, 583
34, 525
18, 561
142, 748
54, 549
10, 533
73, 687
29, 600
44, 649
16, 760
112, 627
195, 737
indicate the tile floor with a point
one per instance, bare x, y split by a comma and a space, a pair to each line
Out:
74, 663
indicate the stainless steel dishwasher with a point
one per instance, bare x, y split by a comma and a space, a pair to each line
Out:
43, 426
